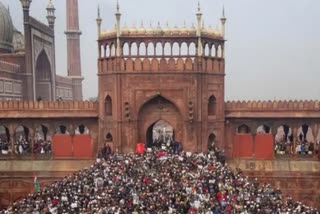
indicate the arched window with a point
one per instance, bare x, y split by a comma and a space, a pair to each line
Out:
22, 141
305, 140
5, 140
206, 50
192, 49
42, 140
211, 141
167, 49
219, 51
159, 49
150, 49
134, 49
109, 137
175, 49
213, 51
142, 49
263, 129
108, 106
82, 129
212, 106
107, 51
283, 140
125, 49
62, 129
112, 50
243, 129
184, 49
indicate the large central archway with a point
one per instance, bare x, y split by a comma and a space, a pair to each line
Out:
43, 78
159, 110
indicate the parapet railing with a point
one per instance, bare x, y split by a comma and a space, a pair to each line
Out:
48, 105
273, 105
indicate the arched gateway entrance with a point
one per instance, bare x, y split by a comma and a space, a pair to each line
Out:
159, 133
159, 116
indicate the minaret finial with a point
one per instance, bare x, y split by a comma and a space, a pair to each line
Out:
199, 7
98, 11
223, 16
118, 7
223, 22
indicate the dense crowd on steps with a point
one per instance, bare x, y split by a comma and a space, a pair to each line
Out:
158, 181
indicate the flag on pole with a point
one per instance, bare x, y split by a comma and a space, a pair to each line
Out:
36, 184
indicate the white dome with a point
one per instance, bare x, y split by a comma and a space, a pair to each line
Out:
6, 30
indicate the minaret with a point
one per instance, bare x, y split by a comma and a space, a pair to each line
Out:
199, 16
73, 48
118, 16
29, 83
223, 22
99, 21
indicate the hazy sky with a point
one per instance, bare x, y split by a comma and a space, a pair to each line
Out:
272, 50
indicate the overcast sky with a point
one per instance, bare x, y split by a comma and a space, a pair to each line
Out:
272, 50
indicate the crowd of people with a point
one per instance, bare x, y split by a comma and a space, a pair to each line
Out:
158, 181
4, 147
22, 145
41, 145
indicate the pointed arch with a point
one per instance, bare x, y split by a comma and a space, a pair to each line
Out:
109, 137
107, 51
206, 50
159, 49
22, 141
165, 110
150, 49
125, 49
175, 49
142, 49
82, 129
62, 129
43, 77
4, 134
134, 49
213, 51
192, 49
167, 49
243, 129
306, 140
108, 105
112, 50
263, 129
211, 141
212, 106
219, 51
184, 49
283, 140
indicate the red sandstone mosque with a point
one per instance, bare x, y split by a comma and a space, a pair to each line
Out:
27, 60
151, 80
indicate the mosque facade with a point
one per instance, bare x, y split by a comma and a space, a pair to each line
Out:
28, 62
